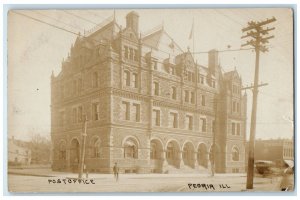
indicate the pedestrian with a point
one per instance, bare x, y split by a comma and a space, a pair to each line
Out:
116, 171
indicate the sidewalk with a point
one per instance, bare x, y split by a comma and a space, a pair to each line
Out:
47, 172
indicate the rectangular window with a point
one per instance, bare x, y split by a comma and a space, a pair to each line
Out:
135, 80
192, 97
130, 53
126, 110
233, 128
174, 118
80, 114
137, 109
189, 122
74, 115
95, 111
174, 93
203, 124
189, 76
238, 129
127, 78
79, 86
202, 80
186, 96
74, 87
155, 65
213, 126
203, 100
156, 88
193, 77
233, 106
135, 55
156, 117
213, 84
238, 107
126, 52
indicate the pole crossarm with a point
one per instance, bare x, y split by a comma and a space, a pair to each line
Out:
251, 87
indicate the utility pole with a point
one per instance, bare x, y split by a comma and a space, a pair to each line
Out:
258, 41
83, 148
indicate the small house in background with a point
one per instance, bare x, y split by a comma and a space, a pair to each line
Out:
19, 152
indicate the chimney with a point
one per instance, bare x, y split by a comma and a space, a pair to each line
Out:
132, 21
212, 61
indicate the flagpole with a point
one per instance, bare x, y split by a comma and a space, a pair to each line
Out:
193, 38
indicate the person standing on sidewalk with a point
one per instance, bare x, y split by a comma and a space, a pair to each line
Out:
116, 171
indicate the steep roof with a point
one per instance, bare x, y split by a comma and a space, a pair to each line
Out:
160, 37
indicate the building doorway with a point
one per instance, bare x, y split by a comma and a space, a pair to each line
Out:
74, 155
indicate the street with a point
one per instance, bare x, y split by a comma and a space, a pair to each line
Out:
66, 182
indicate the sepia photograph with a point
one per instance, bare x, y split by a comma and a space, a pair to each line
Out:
187, 100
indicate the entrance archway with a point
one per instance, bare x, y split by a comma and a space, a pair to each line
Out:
74, 154
156, 151
172, 153
188, 154
202, 155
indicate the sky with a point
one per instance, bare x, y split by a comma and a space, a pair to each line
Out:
35, 50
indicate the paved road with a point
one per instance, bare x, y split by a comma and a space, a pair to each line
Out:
140, 183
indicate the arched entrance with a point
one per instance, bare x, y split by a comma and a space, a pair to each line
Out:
156, 151
188, 154
74, 154
172, 153
202, 155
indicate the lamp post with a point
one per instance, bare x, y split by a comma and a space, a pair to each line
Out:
83, 148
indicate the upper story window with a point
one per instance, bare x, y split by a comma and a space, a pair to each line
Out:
189, 122
233, 128
95, 111
95, 80
137, 110
235, 89
80, 114
135, 80
79, 86
186, 96
213, 84
235, 154
130, 53
203, 100
174, 119
127, 77
75, 87
174, 93
74, 115
126, 110
156, 88
192, 97
238, 129
135, 57
156, 117
126, 53
203, 124
213, 126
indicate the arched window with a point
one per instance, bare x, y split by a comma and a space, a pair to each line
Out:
62, 151
130, 149
127, 78
96, 148
235, 154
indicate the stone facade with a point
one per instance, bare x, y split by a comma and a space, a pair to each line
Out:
149, 106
